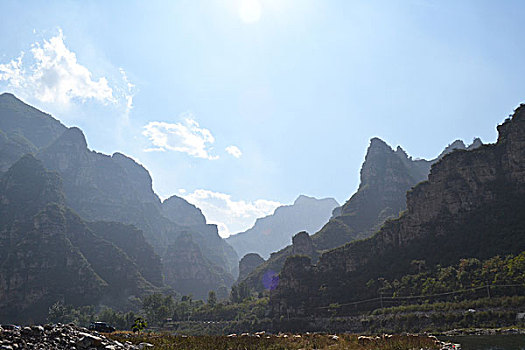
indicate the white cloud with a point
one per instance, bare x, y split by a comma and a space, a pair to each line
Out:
51, 74
187, 137
229, 215
234, 151
129, 92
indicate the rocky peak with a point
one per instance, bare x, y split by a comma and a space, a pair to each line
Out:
302, 244
37, 127
248, 263
274, 232
475, 144
471, 206
181, 212
67, 152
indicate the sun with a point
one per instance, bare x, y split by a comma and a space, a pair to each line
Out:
250, 11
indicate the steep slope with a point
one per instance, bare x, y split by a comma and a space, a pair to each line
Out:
194, 276
386, 176
106, 188
274, 232
47, 252
116, 188
131, 240
471, 206
23, 129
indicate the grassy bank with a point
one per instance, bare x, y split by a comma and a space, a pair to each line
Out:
166, 341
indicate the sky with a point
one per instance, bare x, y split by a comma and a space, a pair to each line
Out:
240, 106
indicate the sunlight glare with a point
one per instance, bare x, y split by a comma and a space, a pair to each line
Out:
250, 11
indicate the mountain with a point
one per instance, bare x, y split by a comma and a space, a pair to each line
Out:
113, 189
274, 232
49, 254
23, 129
386, 176
471, 207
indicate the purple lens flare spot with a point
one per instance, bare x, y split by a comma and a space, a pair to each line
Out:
270, 280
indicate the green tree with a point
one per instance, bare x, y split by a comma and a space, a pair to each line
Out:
139, 325
212, 298
158, 307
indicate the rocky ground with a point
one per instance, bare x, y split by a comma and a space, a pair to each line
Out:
72, 337
60, 336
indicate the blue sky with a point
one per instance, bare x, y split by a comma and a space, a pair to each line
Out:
242, 105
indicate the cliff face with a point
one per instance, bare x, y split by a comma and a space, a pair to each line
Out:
196, 275
248, 263
23, 129
386, 176
471, 206
116, 188
48, 253
108, 188
274, 232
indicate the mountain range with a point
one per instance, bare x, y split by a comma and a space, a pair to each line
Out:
115, 188
386, 176
274, 232
471, 206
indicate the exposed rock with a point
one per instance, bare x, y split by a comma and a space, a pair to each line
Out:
47, 252
248, 263
274, 232
59, 337
302, 244
180, 211
194, 272
23, 129
107, 188
471, 206
386, 176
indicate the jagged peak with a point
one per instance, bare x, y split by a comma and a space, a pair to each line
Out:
377, 144
303, 199
514, 121
72, 135
475, 143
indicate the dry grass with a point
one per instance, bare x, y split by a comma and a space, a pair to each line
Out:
278, 342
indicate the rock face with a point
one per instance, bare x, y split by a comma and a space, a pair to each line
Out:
48, 253
180, 211
57, 337
194, 276
116, 188
471, 206
248, 263
274, 232
110, 188
23, 129
386, 176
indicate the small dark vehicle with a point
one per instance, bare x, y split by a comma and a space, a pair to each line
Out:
9, 327
102, 327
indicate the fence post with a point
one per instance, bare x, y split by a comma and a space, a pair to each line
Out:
488, 290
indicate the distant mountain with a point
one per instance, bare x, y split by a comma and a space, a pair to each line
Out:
274, 232
471, 207
49, 254
114, 189
386, 176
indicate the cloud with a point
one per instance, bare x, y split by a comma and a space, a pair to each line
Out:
51, 73
234, 151
187, 137
229, 215
128, 93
